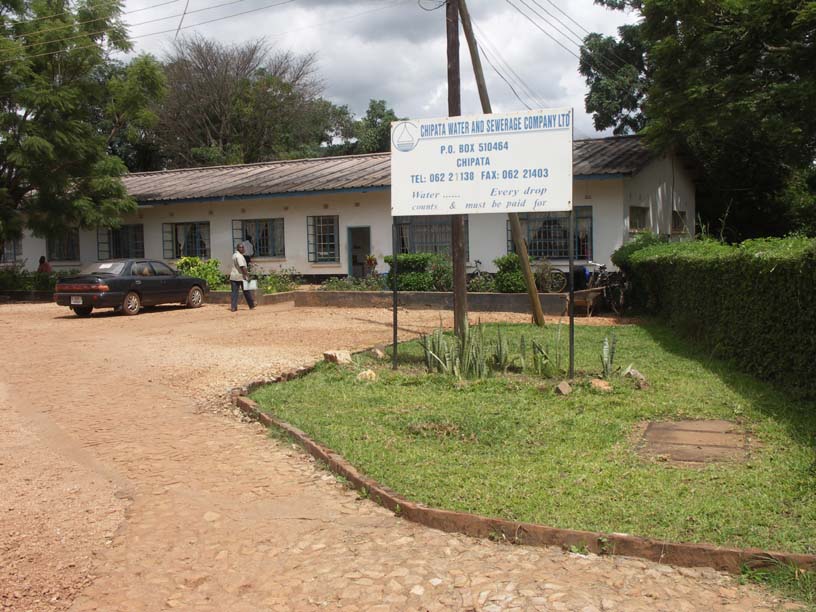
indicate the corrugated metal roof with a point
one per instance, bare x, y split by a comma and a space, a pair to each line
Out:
597, 157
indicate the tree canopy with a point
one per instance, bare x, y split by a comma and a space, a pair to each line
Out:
63, 108
369, 134
726, 82
242, 103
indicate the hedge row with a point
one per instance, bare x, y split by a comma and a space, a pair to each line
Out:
754, 303
421, 272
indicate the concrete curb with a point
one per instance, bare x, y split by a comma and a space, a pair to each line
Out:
685, 555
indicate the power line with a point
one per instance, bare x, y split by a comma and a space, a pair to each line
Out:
602, 64
560, 10
492, 48
184, 12
146, 8
195, 25
509, 84
157, 19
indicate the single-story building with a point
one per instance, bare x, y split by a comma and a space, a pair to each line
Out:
323, 216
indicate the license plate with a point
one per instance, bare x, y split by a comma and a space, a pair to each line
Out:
76, 299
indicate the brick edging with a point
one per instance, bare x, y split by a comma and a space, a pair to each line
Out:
686, 555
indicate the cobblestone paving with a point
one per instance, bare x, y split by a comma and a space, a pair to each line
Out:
194, 510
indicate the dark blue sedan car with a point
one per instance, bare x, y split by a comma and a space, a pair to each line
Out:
128, 284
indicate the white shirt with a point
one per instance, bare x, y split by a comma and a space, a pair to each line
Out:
238, 262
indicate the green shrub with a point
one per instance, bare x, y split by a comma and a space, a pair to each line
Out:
208, 269
483, 283
421, 272
621, 256
278, 281
17, 279
752, 303
351, 283
509, 278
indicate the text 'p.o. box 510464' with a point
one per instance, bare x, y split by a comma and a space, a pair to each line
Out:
511, 163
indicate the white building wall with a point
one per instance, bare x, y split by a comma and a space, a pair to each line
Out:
663, 186
371, 209
609, 198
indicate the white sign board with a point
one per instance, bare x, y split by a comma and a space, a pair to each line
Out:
518, 162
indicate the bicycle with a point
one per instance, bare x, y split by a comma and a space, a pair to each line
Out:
610, 282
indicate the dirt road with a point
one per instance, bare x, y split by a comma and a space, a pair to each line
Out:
123, 488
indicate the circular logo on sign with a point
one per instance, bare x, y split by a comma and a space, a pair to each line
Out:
405, 137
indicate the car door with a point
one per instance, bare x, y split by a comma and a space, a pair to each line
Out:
145, 282
173, 288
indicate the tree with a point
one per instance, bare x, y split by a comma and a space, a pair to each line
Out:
371, 134
241, 104
56, 167
728, 83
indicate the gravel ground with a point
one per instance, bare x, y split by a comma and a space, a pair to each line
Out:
127, 484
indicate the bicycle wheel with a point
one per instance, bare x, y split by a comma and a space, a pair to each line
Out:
557, 281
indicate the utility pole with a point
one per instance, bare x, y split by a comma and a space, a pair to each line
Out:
515, 224
460, 308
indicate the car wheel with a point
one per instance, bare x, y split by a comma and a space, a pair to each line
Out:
82, 311
131, 304
195, 298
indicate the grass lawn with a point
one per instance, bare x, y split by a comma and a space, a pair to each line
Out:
508, 447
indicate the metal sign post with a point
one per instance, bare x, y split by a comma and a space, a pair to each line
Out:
395, 252
572, 294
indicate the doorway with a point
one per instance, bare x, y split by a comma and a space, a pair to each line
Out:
359, 240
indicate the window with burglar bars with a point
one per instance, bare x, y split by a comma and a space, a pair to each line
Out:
186, 240
11, 251
638, 218
323, 238
266, 236
678, 225
123, 242
547, 234
430, 234
63, 248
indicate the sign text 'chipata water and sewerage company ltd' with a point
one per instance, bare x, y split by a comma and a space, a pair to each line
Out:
518, 162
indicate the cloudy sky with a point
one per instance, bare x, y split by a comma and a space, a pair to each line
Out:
395, 49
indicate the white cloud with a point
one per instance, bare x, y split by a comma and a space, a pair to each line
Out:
394, 50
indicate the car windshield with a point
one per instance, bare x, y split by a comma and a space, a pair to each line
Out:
104, 267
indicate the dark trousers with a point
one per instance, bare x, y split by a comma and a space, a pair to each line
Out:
235, 287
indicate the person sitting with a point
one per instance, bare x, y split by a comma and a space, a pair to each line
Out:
44, 267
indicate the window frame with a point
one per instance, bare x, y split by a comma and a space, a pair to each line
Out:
407, 234
170, 244
537, 247
314, 223
646, 226
275, 241
133, 241
64, 247
681, 228
14, 247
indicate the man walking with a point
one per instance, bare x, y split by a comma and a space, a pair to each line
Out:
238, 275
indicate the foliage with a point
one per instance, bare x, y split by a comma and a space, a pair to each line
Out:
509, 278
474, 356
371, 134
421, 272
242, 103
352, 283
207, 269
785, 578
729, 84
752, 303
63, 107
482, 283
621, 256
278, 281
460, 357
18, 279
508, 447
608, 356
